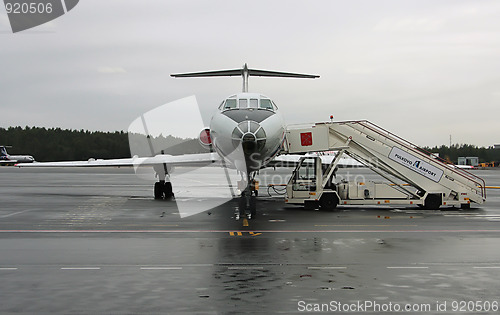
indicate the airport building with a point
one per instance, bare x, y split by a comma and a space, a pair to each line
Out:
469, 160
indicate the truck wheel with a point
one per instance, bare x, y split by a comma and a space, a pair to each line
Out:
432, 202
328, 202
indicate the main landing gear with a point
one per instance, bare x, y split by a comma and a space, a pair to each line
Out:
163, 190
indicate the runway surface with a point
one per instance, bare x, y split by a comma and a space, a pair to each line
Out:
94, 241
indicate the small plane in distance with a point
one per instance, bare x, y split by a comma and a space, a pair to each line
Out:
6, 158
248, 123
463, 166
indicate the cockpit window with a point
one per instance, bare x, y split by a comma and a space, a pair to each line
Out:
230, 103
254, 103
243, 103
266, 104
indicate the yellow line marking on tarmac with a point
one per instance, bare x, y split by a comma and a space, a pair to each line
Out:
492, 187
245, 222
241, 233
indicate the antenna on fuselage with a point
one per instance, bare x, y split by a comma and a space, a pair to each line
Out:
245, 73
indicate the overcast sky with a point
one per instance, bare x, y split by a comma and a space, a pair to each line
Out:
424, 70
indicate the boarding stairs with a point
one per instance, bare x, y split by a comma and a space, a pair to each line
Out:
391, 157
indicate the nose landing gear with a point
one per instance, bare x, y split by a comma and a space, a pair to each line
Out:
247, 204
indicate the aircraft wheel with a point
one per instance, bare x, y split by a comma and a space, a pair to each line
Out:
158, 190
167, 189
328, 202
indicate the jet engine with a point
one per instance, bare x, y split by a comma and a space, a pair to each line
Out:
205, 139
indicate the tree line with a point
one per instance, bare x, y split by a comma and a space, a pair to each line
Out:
451, 154
56, 144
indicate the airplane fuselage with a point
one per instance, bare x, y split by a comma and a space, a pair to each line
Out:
247, 131
18, 158
7, 158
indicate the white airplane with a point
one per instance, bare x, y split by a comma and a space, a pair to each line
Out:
462, 166
6, 158
249, 121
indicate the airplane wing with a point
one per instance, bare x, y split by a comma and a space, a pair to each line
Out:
201, 159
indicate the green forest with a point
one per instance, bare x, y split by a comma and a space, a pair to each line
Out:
56, 144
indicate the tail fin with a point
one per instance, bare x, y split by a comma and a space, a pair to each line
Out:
245, 73
3, 150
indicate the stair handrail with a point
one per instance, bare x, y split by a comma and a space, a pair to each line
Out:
423, 153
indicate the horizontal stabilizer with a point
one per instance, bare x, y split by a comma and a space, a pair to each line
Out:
218, 73
266, 73
240, 72
244, 73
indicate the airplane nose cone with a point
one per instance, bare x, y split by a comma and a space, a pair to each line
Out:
250, 135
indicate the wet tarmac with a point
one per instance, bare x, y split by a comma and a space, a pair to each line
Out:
94, 241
